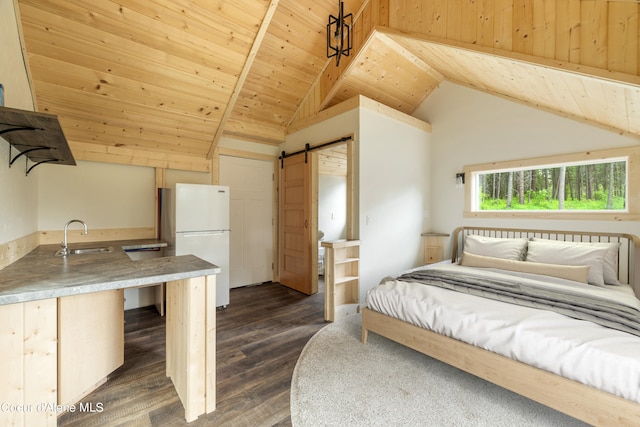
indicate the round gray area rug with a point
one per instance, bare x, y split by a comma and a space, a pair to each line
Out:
338, 381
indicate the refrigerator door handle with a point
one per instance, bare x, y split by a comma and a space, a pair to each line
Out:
204, 233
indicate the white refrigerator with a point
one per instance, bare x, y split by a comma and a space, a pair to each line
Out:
194, 219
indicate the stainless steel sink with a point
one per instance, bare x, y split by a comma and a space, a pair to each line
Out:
81, 251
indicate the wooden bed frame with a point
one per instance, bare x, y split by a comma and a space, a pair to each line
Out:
580, 401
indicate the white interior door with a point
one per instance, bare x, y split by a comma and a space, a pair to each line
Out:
251, 213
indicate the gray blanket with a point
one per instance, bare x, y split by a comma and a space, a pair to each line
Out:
580, 306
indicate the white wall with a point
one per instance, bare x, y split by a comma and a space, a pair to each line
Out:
173, 176
394, 196
472, 127
333, 128
249, 146
392, 174
332, 207
101, 194
18, 198
18, 193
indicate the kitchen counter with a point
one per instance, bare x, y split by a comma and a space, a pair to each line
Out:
57, 327
41, 274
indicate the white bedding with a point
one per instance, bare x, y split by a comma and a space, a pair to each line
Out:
580, 350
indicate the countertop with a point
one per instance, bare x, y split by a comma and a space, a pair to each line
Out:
41, 274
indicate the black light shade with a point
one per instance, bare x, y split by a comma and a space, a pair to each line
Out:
339, 34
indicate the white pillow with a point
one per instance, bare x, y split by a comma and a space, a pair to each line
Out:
577, 273
546, 251
610, 268
496, 247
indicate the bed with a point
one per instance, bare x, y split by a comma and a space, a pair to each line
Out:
550, 315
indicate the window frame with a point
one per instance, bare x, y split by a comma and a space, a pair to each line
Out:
631, 213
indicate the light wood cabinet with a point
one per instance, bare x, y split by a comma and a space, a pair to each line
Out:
191, 343
434, 244
90, 342
342, 278
28, 355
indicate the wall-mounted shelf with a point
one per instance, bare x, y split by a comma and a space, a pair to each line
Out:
36, 136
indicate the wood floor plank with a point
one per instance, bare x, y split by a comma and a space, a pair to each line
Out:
259, 338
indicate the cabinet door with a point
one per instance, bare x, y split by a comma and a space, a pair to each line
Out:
90, 342
28, 356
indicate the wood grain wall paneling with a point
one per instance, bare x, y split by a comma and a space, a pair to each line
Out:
158, 81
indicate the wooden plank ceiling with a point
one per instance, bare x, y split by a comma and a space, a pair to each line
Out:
166, 79
333, 160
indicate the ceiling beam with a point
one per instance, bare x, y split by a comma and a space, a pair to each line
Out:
243, 75
616, 77
85, 151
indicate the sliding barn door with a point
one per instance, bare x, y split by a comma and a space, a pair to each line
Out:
295, 225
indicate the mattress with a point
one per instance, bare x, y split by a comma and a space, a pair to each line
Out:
580, 350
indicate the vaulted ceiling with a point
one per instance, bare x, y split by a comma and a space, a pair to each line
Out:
160, 82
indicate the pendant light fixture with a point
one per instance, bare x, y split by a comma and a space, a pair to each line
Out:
339, 34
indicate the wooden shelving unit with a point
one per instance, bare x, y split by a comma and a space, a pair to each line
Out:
342, 279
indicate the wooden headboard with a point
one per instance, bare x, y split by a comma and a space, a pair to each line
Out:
628, 252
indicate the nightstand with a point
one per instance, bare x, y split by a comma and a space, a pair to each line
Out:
434, 244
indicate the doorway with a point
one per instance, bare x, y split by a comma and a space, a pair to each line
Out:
329, 158
332, 198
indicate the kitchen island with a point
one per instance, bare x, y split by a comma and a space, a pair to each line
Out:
35, 292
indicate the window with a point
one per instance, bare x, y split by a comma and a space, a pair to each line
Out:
582, 187
593, 185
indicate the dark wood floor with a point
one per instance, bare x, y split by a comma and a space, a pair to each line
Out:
259, 338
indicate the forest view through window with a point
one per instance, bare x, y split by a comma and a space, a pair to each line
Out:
598, 186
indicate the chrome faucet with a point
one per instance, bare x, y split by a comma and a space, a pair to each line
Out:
65, 249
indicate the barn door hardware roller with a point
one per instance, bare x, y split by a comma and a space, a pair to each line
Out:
308, 148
